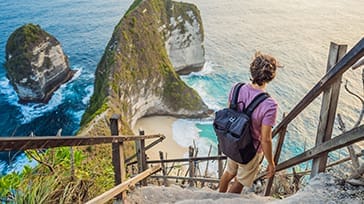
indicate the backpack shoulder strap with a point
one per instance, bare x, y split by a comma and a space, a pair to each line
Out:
256, 101
235, 96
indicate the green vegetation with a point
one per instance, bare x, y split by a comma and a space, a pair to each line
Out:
19, 49
53, 181
180, 9
23, 38
133, 6
98, 99
136, 60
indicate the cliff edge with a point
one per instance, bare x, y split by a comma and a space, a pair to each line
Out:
135, 77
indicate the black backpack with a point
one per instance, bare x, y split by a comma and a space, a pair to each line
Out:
233, 128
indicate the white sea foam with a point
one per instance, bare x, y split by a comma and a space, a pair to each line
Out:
77, 74
31, 111
7, 90
185, 133
90, 91
207, 68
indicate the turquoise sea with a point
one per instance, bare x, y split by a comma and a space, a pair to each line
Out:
297, 33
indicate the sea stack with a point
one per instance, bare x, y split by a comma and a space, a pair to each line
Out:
35, 63
136, 77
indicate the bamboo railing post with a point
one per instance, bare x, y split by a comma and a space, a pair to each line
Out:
277, 154
117, 154
328, 108
152, 144
220, 169
164, 171
142, 164
191, 165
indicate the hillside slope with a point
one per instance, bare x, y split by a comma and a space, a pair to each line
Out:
135, 77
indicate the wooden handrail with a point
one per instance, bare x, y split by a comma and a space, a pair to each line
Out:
186, 159
344, 64
23, 143
152, 144
347, 138
108, 195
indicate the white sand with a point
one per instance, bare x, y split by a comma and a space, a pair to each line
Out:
160, 125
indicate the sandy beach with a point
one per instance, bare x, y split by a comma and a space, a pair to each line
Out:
160, 125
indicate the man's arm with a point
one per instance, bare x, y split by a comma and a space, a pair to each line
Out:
267, 148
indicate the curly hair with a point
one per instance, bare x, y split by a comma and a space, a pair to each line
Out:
263, 68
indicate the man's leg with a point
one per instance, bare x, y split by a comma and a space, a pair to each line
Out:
224, 181
236, 187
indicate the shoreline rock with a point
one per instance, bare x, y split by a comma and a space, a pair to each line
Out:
36, 64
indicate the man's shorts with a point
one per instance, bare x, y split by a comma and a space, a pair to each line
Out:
245, 173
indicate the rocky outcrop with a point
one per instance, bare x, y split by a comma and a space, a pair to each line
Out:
184, 38
135, 77
35, 63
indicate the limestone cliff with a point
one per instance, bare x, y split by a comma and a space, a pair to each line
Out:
135, 77
184, 38
35, 63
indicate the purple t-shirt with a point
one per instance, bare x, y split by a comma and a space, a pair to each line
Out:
264, 114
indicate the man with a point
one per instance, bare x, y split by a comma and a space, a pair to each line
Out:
263, 70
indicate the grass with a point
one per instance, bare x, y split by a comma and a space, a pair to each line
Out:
133, 6
51, 181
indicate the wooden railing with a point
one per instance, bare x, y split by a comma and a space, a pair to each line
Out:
121, 184
329, 84
338, 63
108, 195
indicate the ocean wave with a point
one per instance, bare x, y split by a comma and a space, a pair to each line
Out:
208, 68
90, 91
210, 84
31, 111
185, 133
78, 71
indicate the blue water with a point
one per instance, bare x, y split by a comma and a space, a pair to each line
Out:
296, 32
83, 28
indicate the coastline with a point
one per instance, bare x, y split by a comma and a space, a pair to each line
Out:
160, 125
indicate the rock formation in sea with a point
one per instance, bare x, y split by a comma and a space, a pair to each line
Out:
35, 63
136, 78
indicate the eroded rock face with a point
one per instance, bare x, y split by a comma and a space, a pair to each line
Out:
35, 63
184, 38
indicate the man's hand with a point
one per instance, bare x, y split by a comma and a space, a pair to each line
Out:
270, 170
